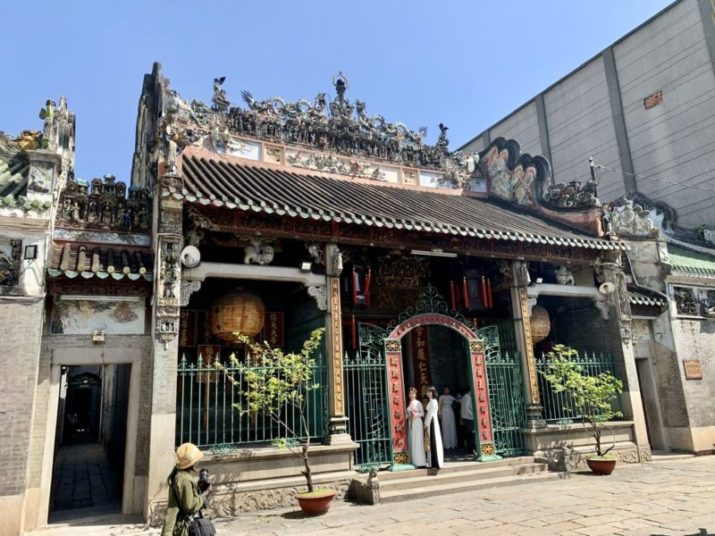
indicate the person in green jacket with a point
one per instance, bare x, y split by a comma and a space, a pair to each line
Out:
182, 487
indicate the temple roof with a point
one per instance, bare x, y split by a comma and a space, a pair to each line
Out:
235, 184
688, 262
645, 297
14, 167
90, 260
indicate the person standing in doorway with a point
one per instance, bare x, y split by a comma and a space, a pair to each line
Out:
448, 422
466, 419
433, 435
185, 500
415, 439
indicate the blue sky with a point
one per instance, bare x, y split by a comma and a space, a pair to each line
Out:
464, 63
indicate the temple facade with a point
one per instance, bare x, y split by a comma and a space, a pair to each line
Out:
274, 218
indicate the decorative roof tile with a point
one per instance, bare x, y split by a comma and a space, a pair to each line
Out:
14, 169
89, 260
642, 298
208, 181
689, 262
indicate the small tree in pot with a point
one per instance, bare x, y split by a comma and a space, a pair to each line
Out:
593, 399
282, 380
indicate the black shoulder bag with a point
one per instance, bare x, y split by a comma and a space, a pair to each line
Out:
198, 524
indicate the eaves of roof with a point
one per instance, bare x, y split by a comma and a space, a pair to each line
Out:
246, 187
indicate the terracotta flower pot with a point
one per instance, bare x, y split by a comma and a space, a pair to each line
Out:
314, 503
600, 466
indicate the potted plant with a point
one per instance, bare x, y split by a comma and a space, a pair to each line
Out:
592, 398
282, 380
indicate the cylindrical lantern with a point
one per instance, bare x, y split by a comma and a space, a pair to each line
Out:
540, 323
241, 312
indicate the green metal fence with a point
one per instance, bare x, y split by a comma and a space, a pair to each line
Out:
365, 379
559, 407
506, 393
206, 415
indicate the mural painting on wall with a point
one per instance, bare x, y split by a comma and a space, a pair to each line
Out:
525, 180
85, 316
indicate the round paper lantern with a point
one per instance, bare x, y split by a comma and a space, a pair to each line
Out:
540, 323
241, 312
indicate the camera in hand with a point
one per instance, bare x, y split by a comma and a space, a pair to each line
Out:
204, 483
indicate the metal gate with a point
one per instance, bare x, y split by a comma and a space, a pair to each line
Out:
505, 394
366, 399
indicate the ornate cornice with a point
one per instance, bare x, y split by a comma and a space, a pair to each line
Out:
271, 227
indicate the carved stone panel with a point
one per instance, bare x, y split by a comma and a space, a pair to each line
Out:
168, 287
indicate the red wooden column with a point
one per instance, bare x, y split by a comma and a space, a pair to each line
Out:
486, 450
396, 396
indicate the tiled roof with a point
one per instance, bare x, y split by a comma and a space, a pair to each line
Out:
691, 262
88, 261
14, 168
282, 192
642, 298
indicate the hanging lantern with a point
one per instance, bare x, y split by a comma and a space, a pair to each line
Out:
241, 312
540, 323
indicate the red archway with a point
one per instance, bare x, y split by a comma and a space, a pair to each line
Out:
486, 450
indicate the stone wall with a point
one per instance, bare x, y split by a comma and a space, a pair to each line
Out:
20, 332
696, 340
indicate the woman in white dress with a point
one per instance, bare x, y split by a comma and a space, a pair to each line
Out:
433, 436
416, 433
448, 422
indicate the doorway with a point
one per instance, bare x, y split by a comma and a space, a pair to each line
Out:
485, 448
90, 438
437, 355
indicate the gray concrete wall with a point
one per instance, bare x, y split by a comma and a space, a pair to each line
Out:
668, 151
580, 125
523, 126
673, 142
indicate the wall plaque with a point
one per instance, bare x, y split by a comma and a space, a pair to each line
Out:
693, 369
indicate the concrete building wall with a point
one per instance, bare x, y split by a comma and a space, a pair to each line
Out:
667, 151
696, 340
477, 145
672, 144
580, 125
523, 126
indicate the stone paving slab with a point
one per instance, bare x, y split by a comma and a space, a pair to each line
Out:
667, 498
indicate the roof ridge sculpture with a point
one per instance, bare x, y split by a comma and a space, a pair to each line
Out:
635, 215
337, 125
104, 205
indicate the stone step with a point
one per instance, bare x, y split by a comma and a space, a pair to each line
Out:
467, 475
443, 489
461, 466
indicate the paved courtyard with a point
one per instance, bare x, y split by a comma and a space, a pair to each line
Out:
667, 497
